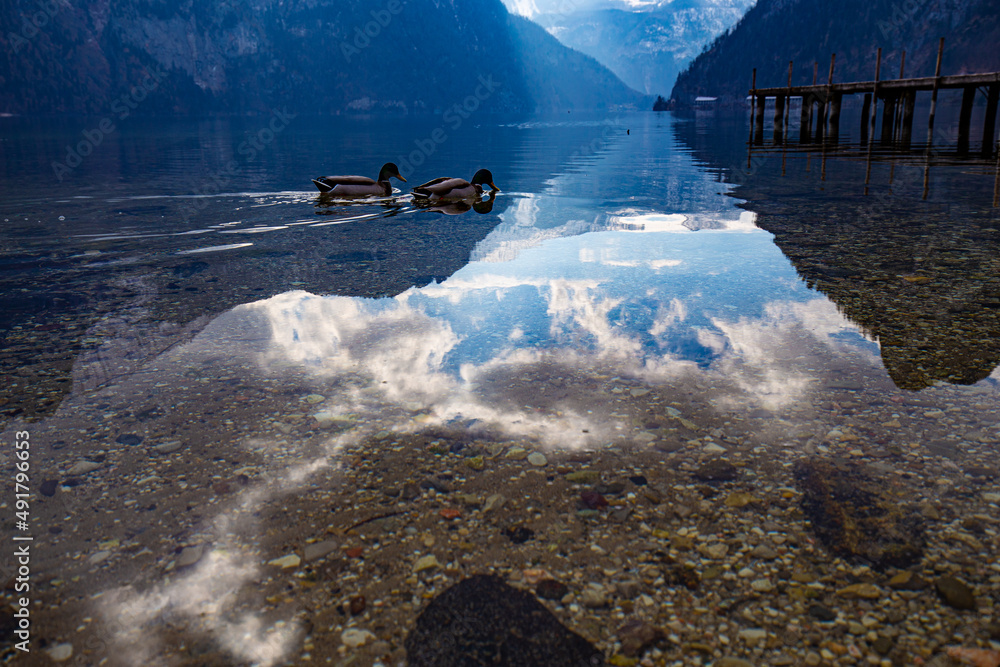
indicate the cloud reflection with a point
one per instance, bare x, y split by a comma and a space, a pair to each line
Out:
460, 350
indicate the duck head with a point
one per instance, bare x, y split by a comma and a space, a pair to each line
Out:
484, 177
389, 170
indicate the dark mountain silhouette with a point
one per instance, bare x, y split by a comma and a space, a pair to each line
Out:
807, 32
116, 57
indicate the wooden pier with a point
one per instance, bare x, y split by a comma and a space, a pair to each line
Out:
822, 102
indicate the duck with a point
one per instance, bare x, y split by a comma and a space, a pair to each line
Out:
359, 186
447, 188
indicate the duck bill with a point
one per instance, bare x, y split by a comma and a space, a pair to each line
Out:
495, 188
400, 177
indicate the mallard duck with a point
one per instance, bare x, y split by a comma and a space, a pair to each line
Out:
455, 188
359, 186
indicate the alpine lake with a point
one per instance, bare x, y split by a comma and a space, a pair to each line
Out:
688, 402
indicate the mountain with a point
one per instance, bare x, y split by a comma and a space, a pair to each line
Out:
117, 57
645, 43
807, 32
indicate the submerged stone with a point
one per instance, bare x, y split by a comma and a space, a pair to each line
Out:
955, 593
860, 518
483, 621
716, 470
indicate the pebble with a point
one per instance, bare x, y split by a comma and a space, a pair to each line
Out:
635, 635
593, 597
60, 652
99, 557
733, 662
168, 447
190, 555
318, 549
716, 470
717, 550
955, 593
739, 500
493, 502
629, 588
426, 563
357, 605
313, 399
286, 562
583, 476
83, 467
882, 645
762, 585
354, 637
48, 487
516, 454
550, 589
822, 614
907, 581
867, 591
753, 635
537, 459
593, 500
764, 552
476, 462
712, 448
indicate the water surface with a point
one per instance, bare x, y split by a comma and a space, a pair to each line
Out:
238, 358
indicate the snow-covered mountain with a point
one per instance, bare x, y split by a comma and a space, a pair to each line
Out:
645, 42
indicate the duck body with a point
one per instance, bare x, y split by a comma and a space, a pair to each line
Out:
359, 186
453, 189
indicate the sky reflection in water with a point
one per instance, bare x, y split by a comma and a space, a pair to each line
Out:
629, 264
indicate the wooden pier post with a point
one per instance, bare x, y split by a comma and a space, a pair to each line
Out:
889, 118
753, 109
835, 101
788, 107
898, 122
829, 102
805, 119
759, 120
989, 125
934, 94
820, 132
779, 117
878, 70
965, 118
866, 108
906, 123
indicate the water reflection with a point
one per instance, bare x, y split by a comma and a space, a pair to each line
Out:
274, 377
917, 275
661, 307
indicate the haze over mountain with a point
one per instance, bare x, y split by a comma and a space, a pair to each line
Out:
236, 56
645, 42
805, 31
